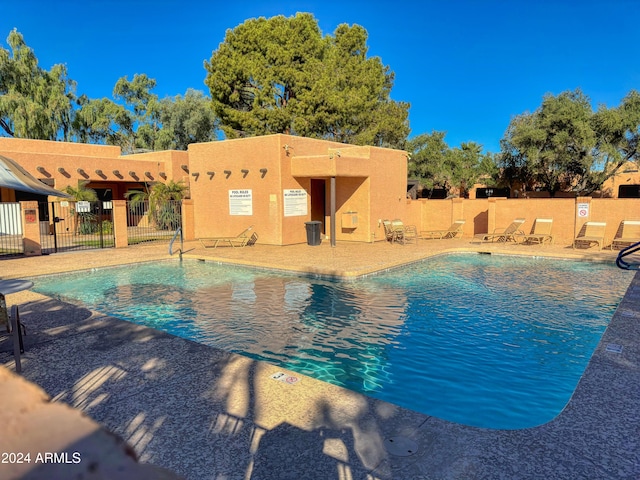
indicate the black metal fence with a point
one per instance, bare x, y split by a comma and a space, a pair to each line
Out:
10, 230
70, 226
146, 223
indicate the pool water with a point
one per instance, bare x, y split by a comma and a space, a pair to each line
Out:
487, 341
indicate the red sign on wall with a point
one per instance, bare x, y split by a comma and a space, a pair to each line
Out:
30, 216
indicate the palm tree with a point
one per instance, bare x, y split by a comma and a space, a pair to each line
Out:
163, 200
81, 194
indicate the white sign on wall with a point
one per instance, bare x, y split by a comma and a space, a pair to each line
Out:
295, 202
241, 202
83, 207
583, 210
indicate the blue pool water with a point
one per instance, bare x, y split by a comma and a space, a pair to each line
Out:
488, 341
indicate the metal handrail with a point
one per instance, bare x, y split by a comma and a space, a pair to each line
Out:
181, 249
628, 251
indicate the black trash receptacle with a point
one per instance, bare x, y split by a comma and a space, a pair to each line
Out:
313, 232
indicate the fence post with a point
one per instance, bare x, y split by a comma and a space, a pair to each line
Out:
120, 235
188, 222
30, 228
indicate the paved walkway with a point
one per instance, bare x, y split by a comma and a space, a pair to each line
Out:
209, 414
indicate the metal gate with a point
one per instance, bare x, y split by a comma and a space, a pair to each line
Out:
147, 224
68, 226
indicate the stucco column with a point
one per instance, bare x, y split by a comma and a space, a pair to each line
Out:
30, 229
582, 213
333, 211
457, 210
491, 214
188, 222
120, 223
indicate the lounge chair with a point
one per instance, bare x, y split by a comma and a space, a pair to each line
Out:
240, 240
451, 232
541, 232
590, 234
629, 234
512, 233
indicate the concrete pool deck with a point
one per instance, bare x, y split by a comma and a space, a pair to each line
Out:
209, 414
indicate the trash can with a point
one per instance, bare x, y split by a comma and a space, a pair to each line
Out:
313, 232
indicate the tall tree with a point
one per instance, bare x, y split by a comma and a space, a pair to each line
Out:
185, 120
435, 164
34, 103
565, 146
280, 75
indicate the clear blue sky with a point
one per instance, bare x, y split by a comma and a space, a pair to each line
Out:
466, 67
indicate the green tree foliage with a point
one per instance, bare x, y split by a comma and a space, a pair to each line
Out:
280, 75
34, 103
185, 120
565, 146
437, 165
143, 122
40, 104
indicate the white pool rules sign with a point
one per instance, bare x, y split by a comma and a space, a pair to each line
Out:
241, 202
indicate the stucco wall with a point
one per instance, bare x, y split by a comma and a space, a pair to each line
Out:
68, 163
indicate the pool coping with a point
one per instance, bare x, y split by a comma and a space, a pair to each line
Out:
595, 436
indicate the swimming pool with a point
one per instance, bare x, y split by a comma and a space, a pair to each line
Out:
488, 341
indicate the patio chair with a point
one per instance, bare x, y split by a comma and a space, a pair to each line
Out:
451, 232
629, 233
541, 232
590, 234
403, 233
240, 240
14, 328
512, 233
388, 231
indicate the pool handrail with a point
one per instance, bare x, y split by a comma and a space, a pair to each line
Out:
181, 249
628, 251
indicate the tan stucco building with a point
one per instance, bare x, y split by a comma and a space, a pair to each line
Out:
275, 183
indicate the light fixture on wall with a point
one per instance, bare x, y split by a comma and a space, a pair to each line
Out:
211, 174
245, 172
227, 173
263, 171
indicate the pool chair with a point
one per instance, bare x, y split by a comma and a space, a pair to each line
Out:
403, 233
451, 232
512, 233
592, 233
14, 328
389, 233
541, 232
241, 240
627, 235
